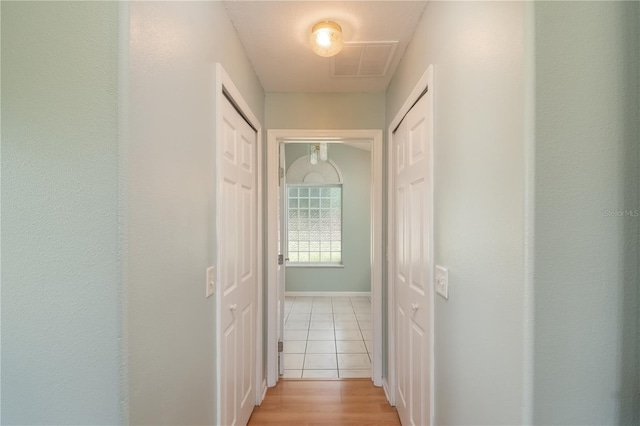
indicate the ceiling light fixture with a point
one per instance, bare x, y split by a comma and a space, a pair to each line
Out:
326, 38
318, 152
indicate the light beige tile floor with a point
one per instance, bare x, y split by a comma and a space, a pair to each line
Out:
327, 337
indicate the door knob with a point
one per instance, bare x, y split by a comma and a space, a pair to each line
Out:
233, 307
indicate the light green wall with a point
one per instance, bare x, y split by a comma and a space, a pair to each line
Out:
61, 288
170, 168
89, 212
355, 166
325, 110
90, 222
477, 49
586, 261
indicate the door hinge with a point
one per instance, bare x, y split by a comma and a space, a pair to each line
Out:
281, 259
280, 346
281, 172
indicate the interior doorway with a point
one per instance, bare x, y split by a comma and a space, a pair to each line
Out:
360, 314
325, 239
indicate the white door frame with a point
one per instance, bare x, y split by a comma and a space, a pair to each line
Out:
224, 84
425, 81
274, 137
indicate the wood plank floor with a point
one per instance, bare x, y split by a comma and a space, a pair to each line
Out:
325, 402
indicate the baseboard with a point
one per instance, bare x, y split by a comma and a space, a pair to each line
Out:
328, 293
385, 387
264, 390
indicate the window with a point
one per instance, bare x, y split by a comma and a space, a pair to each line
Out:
314, 224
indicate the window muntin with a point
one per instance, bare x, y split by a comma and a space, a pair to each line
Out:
314, 224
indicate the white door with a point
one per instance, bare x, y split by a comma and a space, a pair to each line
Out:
413, 263
282, 253
237, 244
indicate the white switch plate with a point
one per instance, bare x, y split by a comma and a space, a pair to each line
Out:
442, 281
210, 285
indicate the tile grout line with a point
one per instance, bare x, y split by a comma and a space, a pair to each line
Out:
364, 341
310, 314
304, 357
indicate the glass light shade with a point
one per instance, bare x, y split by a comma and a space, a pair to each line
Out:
313, 157
326, 39
323, 152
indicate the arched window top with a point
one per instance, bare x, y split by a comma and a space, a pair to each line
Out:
302, 171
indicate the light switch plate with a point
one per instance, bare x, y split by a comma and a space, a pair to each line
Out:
442, 281
210, 285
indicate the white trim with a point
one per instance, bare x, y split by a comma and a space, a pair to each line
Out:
377, 239
391, 321
425, 81
274, 137
385, 388
272, 179
224, 83
264, 391
297, 265
328, 293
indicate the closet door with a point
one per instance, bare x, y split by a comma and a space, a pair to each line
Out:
237, 244
412, 263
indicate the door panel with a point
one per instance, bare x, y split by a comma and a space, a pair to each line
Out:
229, 410
412, 268
418, 353
247, 252
247, 363
237, 241
229, 283
401, 233
417, 141
417, 217
402, 360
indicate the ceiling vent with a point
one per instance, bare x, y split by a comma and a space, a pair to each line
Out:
363, 59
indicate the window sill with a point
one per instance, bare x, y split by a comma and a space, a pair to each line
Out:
314, 265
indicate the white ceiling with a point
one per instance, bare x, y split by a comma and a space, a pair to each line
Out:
275, 35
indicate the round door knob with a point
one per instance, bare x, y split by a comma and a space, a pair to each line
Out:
233, 307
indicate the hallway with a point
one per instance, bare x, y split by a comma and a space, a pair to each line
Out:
333, 402
118, 307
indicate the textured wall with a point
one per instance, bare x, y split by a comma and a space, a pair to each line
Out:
355, 166
60, 270
586, 256
173, 46
477, 49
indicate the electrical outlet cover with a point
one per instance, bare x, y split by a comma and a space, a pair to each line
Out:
210, 283
442, 281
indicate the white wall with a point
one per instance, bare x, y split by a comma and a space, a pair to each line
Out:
477, 49
325, 110
61, 288
173, 47
586, 260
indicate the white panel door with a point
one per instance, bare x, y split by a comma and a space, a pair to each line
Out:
412, 263
237, 244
